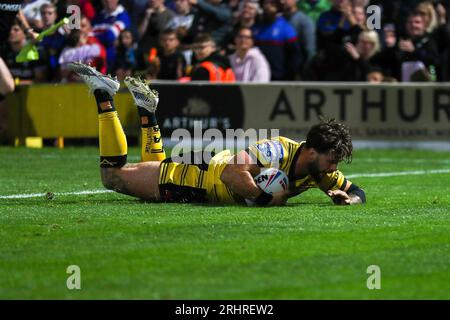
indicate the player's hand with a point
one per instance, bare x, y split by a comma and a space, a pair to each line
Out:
279, 199
339, 197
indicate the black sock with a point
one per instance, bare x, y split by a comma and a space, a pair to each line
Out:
103, 96
152, 122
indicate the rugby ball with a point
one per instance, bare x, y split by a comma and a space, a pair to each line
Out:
271, 180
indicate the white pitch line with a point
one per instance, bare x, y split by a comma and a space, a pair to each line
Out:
38, 195
397, 160
393, 174
351, 176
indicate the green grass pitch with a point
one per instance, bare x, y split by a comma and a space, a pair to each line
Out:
128, 249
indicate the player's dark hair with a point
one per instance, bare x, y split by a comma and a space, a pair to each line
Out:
331, 137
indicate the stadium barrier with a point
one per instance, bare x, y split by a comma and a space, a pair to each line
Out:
408, 114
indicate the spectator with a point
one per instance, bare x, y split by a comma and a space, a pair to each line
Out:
213, 17
387, 59
278, 41
418, 46
127, 55
396, 12
314, 8
108, 24
87, 9
359, 12
32, 12
415, 51
27, 72
248, 62
183, 19
442, 38
444, 75
306, 30
428, 13
367, 46
390, 36
375, 75
156, 19
335, 28
360, 3
135, 9
361, 55
234, 6
247, 14
53, 44
173, 64
210, 66
82, 47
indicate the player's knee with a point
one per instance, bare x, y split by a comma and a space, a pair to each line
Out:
110, 178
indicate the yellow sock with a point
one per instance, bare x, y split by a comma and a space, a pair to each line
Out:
152, 147
113, 142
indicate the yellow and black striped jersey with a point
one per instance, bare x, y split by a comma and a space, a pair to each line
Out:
282, 153
187, 182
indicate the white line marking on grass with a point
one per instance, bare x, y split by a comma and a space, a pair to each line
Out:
351, 176
393, 174
38, 195
396, 160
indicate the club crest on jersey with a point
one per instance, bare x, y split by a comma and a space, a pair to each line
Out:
272, 151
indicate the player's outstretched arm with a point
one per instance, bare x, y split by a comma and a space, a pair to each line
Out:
238, 176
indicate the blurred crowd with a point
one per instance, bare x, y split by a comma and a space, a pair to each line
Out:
248, 40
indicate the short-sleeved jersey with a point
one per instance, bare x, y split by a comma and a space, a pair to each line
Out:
282, 153
185, 181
